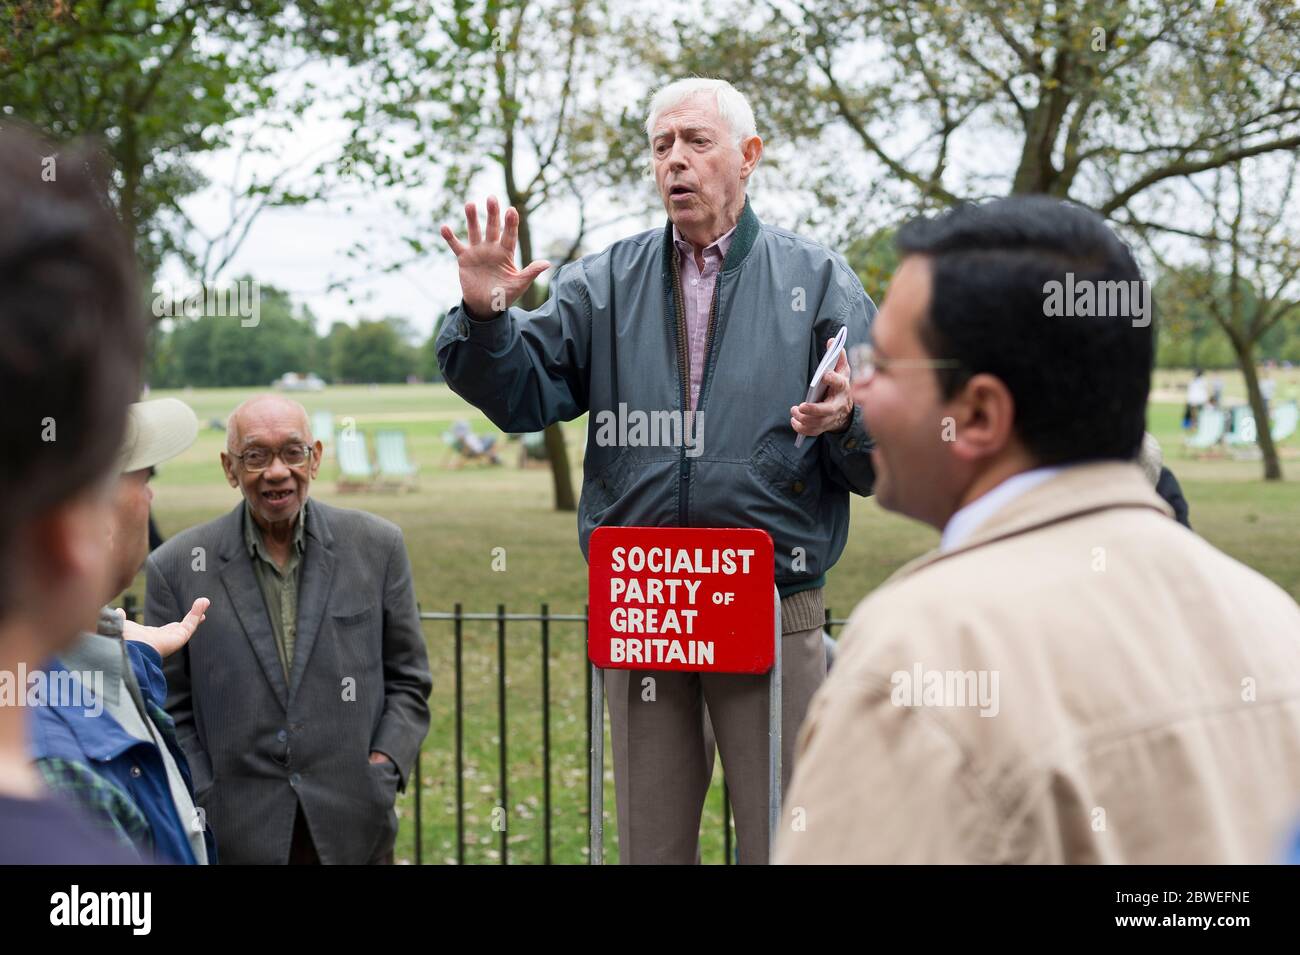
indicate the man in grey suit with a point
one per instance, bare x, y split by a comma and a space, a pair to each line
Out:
303, 707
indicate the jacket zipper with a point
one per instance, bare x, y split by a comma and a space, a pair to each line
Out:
684, 365
684, 379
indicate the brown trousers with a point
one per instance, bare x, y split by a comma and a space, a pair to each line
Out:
663, 765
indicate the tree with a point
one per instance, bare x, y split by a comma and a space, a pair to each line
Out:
1251, 229
1187, 335
214, 350
373, 351
1127, 107
511, 88
1093, 101
159, 82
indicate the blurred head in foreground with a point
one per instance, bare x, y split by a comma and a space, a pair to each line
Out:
72, 336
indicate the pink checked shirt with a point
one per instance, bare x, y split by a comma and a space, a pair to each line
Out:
697, 298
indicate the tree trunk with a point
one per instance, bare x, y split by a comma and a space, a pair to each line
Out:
1263, 433
557, 451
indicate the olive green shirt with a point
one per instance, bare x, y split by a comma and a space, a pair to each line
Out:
279, 584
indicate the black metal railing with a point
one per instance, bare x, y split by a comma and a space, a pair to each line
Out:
458, 618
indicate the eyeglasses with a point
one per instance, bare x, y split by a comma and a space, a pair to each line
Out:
863, 362
259, 459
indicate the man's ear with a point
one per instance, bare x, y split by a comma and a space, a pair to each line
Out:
751, 151
66, 566
73, 539
317, 452
983, 418
228, 465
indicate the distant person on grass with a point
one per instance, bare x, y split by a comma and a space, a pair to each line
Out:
1198, 396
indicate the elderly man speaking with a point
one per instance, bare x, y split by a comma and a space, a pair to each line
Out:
715, 312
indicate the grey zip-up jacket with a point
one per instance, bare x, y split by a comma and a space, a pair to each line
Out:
611, 340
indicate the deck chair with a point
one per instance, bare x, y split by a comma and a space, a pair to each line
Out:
395, 466
1209, 430
1242, 437
322, 426
355, 472
1242, 429
1285, 419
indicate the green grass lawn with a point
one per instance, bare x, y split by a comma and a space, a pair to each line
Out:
457, 518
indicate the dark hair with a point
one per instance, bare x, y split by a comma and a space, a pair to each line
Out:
72, 332
1080, 384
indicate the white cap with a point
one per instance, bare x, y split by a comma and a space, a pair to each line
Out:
1150, 458
156, 431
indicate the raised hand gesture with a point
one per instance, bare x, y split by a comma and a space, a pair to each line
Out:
489, 281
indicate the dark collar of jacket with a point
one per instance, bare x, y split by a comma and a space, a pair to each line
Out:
236, 574
1078, 490
742, 241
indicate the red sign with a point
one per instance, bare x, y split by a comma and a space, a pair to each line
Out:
681, 598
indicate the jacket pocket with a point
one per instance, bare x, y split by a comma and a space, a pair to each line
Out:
384, 780
353, 619
797, 483
602, 490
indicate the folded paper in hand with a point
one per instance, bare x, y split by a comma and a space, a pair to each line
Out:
817, 387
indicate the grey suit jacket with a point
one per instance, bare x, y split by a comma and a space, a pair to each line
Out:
258, 745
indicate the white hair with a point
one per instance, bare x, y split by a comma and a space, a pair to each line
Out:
731, 103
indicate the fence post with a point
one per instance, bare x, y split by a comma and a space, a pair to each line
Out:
419, 777
726, 821
774, 733
419, 820
546, 730
460, 740
501, 730
597, 763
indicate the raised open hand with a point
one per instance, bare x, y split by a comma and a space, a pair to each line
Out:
489, 281
171, 637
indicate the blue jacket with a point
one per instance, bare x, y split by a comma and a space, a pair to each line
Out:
611, 340
118, 780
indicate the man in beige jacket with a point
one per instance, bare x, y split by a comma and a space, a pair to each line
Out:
1071, 676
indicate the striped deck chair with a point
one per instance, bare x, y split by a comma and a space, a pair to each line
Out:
395, 465
355, 472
